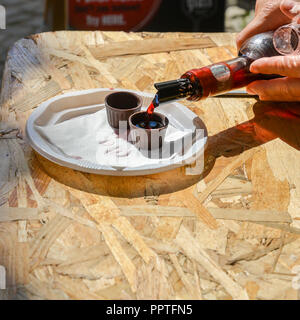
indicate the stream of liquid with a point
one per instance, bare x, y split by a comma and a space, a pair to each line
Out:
149, 122
150, 109
154, 104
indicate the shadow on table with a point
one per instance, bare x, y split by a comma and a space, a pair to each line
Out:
271, 121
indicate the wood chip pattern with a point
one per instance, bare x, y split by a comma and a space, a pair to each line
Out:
229, 232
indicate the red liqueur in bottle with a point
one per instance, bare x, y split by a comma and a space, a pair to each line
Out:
220, 77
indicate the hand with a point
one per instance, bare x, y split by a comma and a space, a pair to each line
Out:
269, 15
281, 89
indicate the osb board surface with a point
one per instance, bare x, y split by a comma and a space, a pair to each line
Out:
230, 233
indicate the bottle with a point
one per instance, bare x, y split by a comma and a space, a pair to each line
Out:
220, 77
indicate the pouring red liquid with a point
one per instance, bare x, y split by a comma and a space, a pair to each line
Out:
150, 109
149, 122
154, 104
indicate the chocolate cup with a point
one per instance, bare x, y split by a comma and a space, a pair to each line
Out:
120, 106
148, 139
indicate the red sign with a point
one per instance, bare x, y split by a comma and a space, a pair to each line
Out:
126, 15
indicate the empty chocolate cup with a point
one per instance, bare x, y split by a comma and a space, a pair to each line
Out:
120, 106
148, 138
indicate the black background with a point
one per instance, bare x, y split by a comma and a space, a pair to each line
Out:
173, 16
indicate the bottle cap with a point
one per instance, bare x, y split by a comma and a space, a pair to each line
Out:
173, 90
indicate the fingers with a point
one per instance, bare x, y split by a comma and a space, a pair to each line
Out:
284, 89
291, 9
288, 66
251, 29
268, 17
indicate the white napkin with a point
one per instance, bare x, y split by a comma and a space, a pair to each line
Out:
90, 138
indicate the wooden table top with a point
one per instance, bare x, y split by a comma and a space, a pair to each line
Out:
231, 232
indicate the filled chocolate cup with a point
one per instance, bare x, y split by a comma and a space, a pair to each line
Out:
148, 134
120, 106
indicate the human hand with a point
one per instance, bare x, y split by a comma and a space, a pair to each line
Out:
269, 15
282, 89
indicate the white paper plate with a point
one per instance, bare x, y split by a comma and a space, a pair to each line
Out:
90, 103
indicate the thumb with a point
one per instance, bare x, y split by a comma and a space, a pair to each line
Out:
291, 9
288, 66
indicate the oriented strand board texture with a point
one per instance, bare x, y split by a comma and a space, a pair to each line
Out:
231, 232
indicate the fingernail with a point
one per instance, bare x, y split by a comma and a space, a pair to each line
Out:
253, 68
289, 5
238, 40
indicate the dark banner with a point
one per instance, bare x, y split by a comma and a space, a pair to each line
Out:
126, 15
